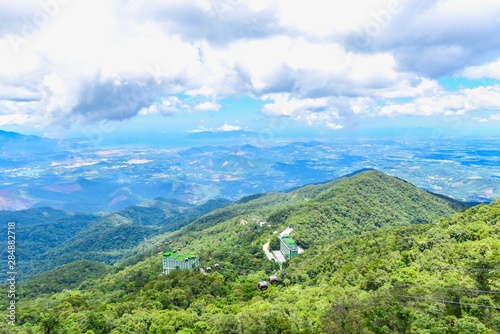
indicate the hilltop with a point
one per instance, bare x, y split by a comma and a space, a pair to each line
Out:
320, 213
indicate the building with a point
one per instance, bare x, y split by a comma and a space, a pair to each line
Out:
173, 260
288, 247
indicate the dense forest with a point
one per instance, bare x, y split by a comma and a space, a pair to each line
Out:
381, 256
48, 238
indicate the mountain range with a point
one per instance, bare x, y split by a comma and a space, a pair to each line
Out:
379, 256
350, 205
48, 238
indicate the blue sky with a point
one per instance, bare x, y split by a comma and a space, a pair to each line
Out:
315, 68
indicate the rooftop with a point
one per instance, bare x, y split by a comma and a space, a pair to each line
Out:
178, 256
289, 241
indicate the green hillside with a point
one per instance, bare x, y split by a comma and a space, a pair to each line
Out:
68, 276
437, 278
440, 277
318, 214
360, 203
47, 238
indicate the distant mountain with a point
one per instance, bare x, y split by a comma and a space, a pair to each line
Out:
201, 150
212, 135
41, 172
18, 139
7, 136
33, 216
18, 150
250, 149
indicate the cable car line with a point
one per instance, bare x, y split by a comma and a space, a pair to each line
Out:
453, 289
449, 302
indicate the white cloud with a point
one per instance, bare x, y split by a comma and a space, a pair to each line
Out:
454, 103
227, 127
18, 93
285, 105
223, 128
490, 70
411, 88
362, 105
310, 110
91, 61
315, 19
13, 119
167, 106
494, 117
334, 112
207, 106
59, 97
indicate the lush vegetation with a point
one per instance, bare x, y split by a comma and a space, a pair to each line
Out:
363, 202
437, 278
47, 238
404, 275
68, 276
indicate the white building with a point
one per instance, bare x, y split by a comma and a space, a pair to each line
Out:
173, 261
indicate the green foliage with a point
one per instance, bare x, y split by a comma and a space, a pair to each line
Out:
364, 202
32, 216
48, 238
69, 276
410, 276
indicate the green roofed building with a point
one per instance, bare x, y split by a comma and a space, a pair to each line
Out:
173, 260
288, 247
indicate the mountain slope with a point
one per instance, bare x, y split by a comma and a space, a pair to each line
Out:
48, 238
31, 216
68, 276
17, 149
442, 277
234, 234
319, 213
362, 202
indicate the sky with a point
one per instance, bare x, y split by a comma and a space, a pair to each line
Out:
291, 67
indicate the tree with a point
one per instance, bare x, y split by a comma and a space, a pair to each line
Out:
48, 321
226, 323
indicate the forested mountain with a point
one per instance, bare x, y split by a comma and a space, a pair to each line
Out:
360, 202
433, 278
318, 213
381, 256
47, 238
67, 276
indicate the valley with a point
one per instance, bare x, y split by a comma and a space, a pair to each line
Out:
71, 176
